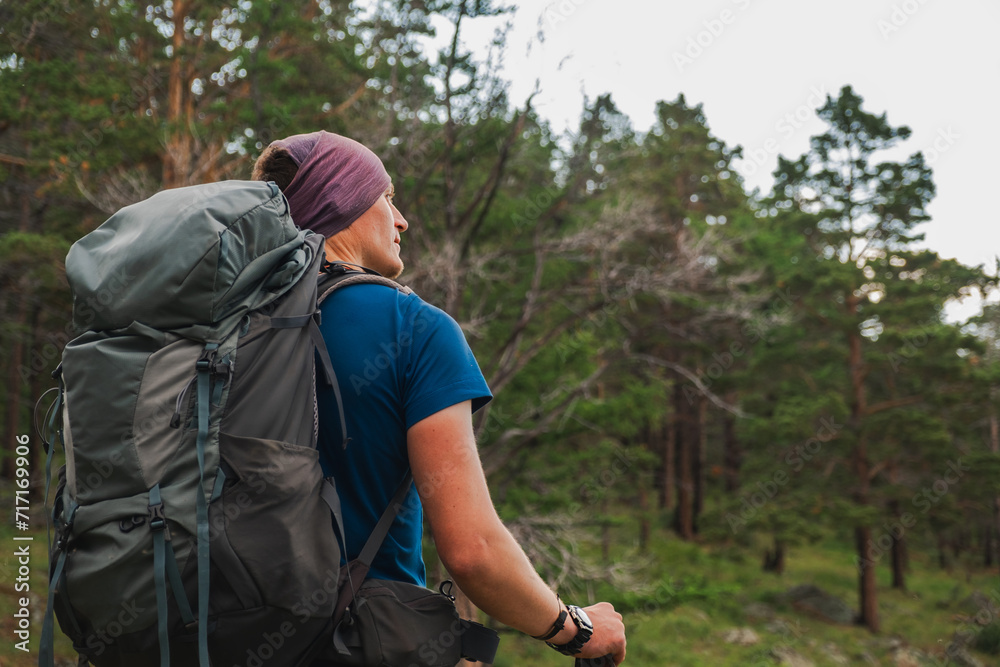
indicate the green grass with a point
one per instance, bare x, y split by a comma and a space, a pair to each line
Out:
712, 585
925, 617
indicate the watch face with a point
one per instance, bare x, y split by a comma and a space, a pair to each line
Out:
582, 619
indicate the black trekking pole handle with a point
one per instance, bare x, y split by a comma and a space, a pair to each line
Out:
606, 661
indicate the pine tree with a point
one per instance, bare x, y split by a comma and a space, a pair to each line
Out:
858, 283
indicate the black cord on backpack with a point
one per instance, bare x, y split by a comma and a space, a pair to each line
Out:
338, 267
39, 429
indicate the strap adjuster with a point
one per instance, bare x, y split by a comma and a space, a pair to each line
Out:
206, 360
157, 520
63, 532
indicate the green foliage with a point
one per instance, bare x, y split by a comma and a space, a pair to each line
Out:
988, 639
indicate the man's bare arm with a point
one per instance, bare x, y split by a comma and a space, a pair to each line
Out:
477, 549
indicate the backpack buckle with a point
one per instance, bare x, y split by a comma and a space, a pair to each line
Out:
62, 540
63, 531
157, 519
206, 361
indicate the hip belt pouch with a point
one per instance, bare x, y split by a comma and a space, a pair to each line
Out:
393, 623
381, 623
396, 624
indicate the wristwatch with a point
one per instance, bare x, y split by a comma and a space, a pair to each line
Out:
585, 628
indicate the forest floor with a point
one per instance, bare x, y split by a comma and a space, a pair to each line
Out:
706, 605
725, 610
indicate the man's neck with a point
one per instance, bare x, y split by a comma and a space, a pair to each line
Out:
336, 253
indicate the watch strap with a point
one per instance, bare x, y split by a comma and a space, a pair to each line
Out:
559, 624
583, 635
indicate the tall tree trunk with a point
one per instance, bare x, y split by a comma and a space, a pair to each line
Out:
605, 532
177, 151
959, 544
732, 454
774, 560
17, 302
867, 590
645, 525
37, 487
657, 443
668, 435
899, 558
995, 529
698, 459
995, 448
683, 523
942, 548
866, 580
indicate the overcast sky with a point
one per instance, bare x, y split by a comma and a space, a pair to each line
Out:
761, 67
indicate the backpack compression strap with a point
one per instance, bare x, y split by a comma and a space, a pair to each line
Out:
206, 367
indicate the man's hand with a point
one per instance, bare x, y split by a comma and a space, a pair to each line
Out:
609, 633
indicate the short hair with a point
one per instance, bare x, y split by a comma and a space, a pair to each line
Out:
275, 164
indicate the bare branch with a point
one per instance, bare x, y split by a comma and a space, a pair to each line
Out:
496, 456
677, 368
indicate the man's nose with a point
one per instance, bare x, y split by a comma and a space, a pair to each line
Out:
398, 220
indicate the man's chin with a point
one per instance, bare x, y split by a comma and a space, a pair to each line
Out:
389, 267
394, 272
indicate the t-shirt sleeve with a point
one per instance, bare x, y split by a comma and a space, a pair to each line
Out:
440, 368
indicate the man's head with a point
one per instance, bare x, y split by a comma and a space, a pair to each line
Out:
338, 188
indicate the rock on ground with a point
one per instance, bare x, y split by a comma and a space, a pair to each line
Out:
835, 655
907, 657
741, 637
813, 600
790, 657
959, 656
758, 611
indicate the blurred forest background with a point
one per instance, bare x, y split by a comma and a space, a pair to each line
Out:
689, 377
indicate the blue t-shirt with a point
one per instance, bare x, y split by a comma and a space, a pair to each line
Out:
397, 360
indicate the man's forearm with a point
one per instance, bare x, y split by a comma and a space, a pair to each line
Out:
478, 550
492, 569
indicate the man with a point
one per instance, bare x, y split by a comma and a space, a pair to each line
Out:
410, 385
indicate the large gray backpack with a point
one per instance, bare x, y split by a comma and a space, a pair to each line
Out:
193, 522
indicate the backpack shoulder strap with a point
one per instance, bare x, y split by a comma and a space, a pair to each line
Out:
337, 274
357, 570
333, 276
381, 530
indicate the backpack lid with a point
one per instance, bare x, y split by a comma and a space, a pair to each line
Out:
195, 256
